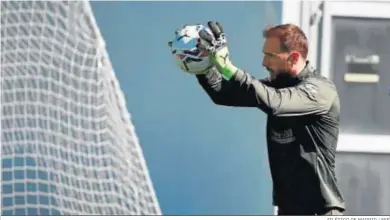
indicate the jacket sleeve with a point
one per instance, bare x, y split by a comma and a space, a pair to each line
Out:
226, 92
312, 96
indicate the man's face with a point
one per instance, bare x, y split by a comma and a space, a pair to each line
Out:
275, 60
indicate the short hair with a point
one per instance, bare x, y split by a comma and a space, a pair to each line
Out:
291, 37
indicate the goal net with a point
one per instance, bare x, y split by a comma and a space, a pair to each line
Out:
68, 145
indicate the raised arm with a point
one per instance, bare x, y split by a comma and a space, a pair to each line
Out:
226, 92
313, 96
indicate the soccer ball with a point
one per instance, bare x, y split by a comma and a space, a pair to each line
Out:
187, 57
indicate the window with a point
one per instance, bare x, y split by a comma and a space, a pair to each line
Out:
360, 69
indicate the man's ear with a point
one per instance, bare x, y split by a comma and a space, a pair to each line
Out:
293, 57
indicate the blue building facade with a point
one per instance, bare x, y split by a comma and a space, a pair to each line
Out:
203, 159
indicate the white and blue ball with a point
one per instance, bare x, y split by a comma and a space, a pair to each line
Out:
187, 57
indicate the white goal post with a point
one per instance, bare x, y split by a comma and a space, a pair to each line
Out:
68, 145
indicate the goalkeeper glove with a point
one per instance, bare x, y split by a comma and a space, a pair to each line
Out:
215, 45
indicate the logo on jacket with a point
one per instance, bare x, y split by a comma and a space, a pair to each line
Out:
283, 137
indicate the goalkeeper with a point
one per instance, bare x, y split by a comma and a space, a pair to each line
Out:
303, 116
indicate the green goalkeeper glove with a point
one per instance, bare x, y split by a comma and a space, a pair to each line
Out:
215, 45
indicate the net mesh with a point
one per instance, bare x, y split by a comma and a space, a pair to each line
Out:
67, 142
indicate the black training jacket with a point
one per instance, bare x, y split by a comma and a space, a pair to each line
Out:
302, 133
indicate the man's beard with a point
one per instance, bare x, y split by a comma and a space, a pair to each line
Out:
283, 79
